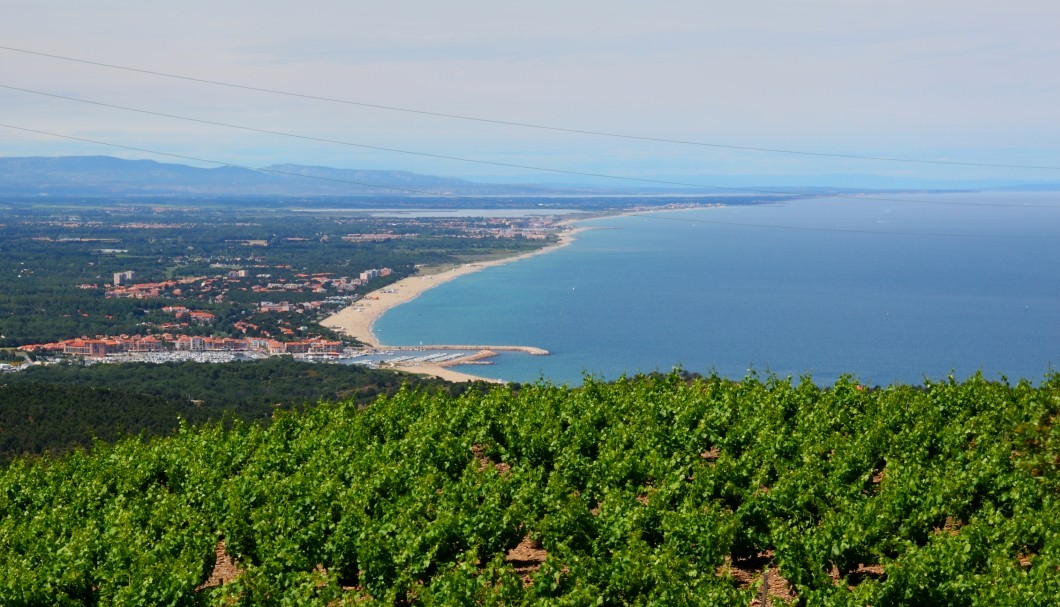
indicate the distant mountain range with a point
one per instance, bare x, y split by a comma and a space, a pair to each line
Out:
94, 176
108, 176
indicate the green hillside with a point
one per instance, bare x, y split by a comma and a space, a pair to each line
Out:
654, 490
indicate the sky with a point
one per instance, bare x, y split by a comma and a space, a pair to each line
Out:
962, 81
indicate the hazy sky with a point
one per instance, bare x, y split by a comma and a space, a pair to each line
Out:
951, 80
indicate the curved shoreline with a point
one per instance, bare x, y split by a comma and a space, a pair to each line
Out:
358, 319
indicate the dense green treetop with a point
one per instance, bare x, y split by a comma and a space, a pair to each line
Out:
57, 407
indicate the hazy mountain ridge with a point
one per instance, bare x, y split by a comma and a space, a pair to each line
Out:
110, 176
105, 175
393, 177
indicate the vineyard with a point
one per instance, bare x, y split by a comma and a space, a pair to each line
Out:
653, 490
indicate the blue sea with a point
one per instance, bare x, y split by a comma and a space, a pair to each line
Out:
919, 287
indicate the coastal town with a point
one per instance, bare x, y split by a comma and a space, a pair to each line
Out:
104, 346
215, 289
163, 283
354, 322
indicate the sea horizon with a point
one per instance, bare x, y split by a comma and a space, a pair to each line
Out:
910, 288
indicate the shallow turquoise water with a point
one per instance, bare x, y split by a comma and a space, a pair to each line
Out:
906, 291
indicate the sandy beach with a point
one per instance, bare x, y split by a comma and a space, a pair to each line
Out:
357, 319
447, 374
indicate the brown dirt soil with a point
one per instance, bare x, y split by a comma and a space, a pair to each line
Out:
742, 577
747, 573
485, 463
858, 575
864, 572
711, 454
225, 569
526, 558
951, 526
779, 589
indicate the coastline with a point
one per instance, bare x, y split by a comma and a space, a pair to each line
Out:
358, 319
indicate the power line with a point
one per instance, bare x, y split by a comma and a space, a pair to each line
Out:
238, 166
452, 196
362, 145
496, 163
530, 125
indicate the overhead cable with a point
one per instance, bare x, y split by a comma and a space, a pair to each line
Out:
545, 127
451, 196
496, 163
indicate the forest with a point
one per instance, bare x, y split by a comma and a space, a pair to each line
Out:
652, 490
56, 408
